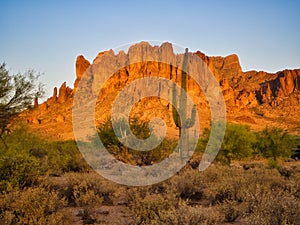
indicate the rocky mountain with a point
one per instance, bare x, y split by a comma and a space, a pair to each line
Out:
255, 98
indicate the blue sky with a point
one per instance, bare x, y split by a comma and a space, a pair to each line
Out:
48, 35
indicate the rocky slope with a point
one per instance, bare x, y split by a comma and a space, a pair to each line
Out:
258, 99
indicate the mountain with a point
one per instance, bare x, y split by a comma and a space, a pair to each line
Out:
257, 99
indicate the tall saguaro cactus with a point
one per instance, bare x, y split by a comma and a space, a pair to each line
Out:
180, 116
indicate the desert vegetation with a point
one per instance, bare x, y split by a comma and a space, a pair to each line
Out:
46, 182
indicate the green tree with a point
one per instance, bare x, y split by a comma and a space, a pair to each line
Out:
237, 144
275, 142
16, 94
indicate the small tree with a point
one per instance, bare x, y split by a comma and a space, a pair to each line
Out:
16, 94
238, 143
275, 142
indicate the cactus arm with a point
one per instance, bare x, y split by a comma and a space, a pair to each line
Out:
175, 114
191, 121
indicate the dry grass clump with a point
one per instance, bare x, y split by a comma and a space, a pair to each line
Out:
32, 206
192, 215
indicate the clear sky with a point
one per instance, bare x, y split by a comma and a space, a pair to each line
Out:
47, 36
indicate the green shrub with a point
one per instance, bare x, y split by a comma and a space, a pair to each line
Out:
18, 167
238, 143
275, 142
64, 156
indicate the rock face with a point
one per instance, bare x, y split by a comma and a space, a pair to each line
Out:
81, 66
258, 91
64, 93
274, 91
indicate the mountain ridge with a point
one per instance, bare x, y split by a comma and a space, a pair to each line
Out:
254, 98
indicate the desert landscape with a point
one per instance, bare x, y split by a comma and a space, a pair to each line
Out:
150, 113
46, 180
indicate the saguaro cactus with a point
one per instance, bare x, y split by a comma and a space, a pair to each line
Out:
180, 116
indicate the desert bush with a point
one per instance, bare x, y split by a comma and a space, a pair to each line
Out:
149, 209
189, 186
21, 138
83, 189
230, 211
32, 206
224, 193
141, 130
85, 196
188, 215
228, 191
175, 201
